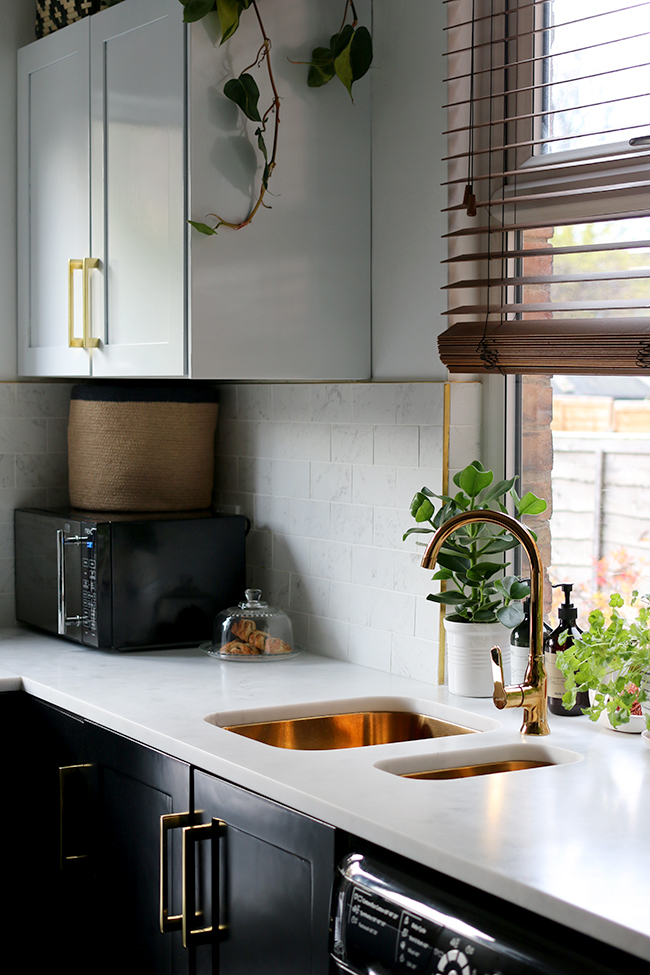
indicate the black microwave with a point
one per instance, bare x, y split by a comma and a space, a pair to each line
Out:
127, 581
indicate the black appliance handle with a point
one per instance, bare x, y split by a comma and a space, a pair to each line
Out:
63, 621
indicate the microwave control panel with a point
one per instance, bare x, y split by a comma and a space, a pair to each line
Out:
89, 586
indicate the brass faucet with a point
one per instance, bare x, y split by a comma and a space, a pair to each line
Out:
531, 695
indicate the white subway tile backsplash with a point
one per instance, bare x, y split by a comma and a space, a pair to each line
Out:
350, 603
290, 478
310, 594
291, 402
352, 443
329, 637
6, 575
373, 566
253, 475
410, 480
464, 446
23, 436
310, 518
394, 611
465, 404
57, 435
331, 560
292, 553
259, 548
254, 402
397, 446
12, 498
369, 647
414, 658
41, 470
431, 447
7, 399
275, 586
420, 403
331, 482
374, 403
7, 471
351, 523
373, 485
331, 403
271, 513
409, 575
389, 527
228, 401
43, 399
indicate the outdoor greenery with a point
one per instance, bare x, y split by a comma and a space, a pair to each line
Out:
612, 659
466, 559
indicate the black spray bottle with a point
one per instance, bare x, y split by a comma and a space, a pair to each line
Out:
567, 614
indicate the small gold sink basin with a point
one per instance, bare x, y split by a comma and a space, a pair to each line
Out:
486, 768
350, 730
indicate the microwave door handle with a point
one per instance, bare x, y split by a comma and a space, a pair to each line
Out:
62, 620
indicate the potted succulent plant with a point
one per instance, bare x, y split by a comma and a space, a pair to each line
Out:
612, 661
486, 602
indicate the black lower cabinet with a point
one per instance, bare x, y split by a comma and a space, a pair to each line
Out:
263, 878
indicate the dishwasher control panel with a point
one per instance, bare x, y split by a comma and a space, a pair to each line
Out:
385, 923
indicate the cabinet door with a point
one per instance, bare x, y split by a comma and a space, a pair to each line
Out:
137, 56
135, 787
53, 198
274, 875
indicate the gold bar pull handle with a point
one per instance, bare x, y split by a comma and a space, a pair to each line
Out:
88, 263
73, 341
216, 931
169, 922
66, 774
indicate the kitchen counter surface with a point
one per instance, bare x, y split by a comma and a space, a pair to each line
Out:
570, 842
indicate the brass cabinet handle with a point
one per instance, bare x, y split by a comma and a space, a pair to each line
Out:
64, 772
191, 835
169, 922
73, 342
84, 265
88, 263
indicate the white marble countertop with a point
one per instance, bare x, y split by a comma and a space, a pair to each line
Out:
570, 842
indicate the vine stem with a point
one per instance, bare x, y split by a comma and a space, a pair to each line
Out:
264, 54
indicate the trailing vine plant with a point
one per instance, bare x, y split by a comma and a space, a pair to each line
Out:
348, 56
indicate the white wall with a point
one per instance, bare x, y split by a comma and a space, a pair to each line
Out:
16, 29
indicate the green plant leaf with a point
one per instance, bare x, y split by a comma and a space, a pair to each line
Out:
321, 69
360, 52
504, 544
339, 42
417, 531
510, 616
473, 481
243, 91
453, 598
483, 570
229, 11
453, 562
530, 504
443, 574
421, 508
196, 10
484, 616
501, 487
202, 227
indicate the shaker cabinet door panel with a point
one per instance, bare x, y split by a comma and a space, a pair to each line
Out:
137, 63
53, 199
274, 874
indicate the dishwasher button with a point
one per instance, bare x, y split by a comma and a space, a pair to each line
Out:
454, 962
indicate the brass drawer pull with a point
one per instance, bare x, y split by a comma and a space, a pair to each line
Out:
169, 922
84, 265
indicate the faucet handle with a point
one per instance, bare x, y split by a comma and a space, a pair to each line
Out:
499, 696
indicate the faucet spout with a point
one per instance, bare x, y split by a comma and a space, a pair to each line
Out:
531, 695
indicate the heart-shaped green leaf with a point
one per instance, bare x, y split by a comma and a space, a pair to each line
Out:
321, 69
202, 228
360, 52
229, 11
196, 10
473, 481
243, 91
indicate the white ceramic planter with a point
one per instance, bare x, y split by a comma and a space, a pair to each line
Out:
468, 656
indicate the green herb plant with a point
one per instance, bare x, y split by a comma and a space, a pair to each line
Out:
466, 559
348, 58
612, 659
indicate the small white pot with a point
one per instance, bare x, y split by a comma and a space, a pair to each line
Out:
468, 656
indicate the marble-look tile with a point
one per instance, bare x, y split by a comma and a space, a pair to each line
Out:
23, 436
311, 519
331, 560
290, 478
373, 566
427, 616
273, 514
234, 438
7, 540
420, 403
57, 436
409, 575
7, 399
389, 527
351, 523
464, 446
410, 480
352, 443
254, 475
12, 498
329, 637
331, 482
293, 441
43, 399
397, 446
465, 404
370, 648
292, 401
310, 595
300, 624
254, 401
41, 470
275, 586
291, 553
6, 575
7, 471
373, 485
394, 611
350, 603
414, 658
431, 447
259, 548
374, 403
331, 403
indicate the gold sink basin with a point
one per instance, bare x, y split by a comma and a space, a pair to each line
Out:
353, 729
465, 763
486, 768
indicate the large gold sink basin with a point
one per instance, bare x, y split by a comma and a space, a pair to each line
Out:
365, 721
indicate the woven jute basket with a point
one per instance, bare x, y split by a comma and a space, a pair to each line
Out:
142, 449
51, 15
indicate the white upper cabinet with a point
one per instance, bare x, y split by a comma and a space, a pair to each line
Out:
124, 134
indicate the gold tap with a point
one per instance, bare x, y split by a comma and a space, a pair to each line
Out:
531, 695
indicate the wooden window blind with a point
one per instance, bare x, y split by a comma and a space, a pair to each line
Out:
549, 187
